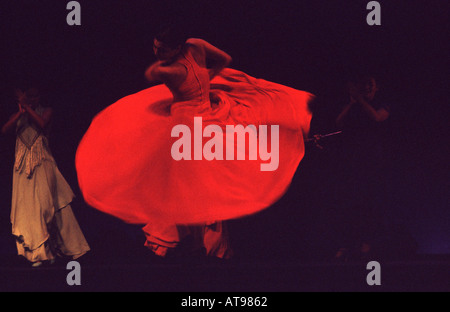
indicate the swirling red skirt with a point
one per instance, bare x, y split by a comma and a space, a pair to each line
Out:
144, 160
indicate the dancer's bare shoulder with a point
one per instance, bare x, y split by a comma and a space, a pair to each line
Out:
204, 50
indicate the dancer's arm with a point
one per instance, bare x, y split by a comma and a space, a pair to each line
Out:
41, 121
352, 91
340, 120
356, 98
11, 123
377, 115
219, 58
159, 72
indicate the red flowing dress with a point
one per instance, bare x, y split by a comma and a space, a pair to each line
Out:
125, 165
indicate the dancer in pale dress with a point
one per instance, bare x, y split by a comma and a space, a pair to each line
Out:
42, 219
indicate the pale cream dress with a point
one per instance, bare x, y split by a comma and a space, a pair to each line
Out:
42, 219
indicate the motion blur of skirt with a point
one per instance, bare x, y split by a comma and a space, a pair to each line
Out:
125, 162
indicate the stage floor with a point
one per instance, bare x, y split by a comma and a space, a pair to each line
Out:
426, 273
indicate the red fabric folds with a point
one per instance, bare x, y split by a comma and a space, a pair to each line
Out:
126, 168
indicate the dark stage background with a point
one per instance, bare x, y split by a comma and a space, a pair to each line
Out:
309, 45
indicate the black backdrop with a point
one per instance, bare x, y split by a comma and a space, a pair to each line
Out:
309, 45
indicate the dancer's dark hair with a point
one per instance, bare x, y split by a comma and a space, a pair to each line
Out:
172, 35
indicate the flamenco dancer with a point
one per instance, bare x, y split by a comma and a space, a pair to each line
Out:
42, 219
144, 160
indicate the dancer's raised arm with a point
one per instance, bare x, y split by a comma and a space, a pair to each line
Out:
163, 72
11, 123
219, 58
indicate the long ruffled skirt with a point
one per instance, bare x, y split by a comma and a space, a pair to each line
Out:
145, 160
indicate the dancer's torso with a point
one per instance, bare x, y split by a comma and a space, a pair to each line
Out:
193, 93
31, 144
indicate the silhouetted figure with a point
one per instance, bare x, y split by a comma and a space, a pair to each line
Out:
360, 192
42, 219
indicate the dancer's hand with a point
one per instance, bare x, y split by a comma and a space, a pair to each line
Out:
22, 110
25, 107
